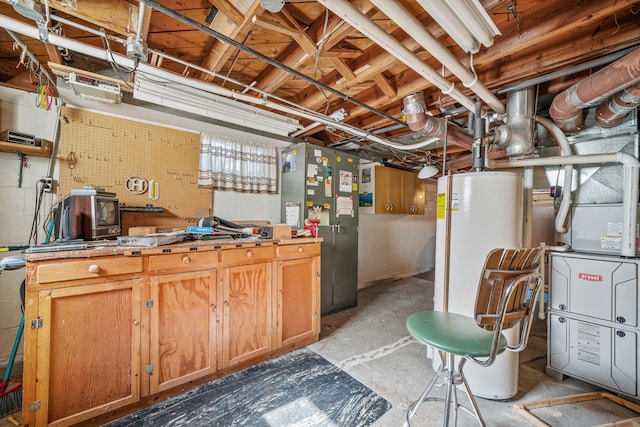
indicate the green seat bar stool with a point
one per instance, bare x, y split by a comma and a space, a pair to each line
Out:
506, 296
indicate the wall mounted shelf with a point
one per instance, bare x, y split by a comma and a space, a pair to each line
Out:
27, 150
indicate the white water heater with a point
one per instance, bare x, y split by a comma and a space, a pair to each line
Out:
486, 213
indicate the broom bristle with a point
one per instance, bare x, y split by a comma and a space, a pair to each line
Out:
10, 403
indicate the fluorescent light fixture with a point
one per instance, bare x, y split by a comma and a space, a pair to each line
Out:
184, 98
466, 21
427, 172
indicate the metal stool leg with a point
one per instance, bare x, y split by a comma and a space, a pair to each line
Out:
440, 373
472, 399
452, 376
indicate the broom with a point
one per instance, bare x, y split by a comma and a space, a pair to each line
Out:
11, 399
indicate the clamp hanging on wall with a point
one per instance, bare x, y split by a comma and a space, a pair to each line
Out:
23, 162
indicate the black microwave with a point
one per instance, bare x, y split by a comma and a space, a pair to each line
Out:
87, 217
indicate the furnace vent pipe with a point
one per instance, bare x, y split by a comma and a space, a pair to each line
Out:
631, 167
521, 111
566, 108
615, 109
350, 14
418, 32
416, 116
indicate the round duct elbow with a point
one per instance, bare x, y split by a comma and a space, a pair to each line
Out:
566, 111
501, 136
414, 110
614, 111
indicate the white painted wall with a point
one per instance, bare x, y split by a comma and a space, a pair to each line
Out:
397, 246
17, 204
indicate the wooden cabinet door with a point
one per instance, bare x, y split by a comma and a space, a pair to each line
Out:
86, 350
412, 194
388, 190
298, 296
248, 326
183, 336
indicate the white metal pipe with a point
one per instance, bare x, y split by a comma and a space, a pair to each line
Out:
142, 7
362, 23
631, 167
158, 73
418, 32
565, 148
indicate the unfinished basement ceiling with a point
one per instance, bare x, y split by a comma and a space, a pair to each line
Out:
306, 57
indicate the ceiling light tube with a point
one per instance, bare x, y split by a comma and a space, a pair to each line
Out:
468, 24
451, 25
213, 106
478, 21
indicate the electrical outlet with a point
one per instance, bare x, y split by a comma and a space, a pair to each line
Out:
47, 182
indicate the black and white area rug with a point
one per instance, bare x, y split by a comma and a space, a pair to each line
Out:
299, 388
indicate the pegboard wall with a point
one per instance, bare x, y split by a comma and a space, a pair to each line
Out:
143, 164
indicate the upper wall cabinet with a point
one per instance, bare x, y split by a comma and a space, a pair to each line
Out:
386, 190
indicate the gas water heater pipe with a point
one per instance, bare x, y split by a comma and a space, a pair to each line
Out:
631, 167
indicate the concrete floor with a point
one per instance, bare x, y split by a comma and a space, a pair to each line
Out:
371, 343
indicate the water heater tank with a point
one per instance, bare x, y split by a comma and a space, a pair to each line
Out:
486, 213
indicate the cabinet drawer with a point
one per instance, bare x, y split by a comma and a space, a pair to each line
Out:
302, 250
186, 261
247, 255
88, 268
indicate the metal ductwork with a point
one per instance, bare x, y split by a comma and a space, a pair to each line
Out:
615, 109
517, 135
414, 110
566, 109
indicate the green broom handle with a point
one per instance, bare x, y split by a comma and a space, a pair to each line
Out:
7, 372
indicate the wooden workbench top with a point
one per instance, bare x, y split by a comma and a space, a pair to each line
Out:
103, 248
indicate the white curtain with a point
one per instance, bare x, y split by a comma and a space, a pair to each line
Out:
231, 164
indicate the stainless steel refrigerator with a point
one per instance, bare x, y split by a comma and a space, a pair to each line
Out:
320, 186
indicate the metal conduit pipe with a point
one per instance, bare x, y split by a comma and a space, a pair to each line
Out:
615, 109
415, 29
631, 167
198, 26
566, 108
143, 68
362, 23
565, 148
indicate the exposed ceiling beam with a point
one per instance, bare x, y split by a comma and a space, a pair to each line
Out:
229, 10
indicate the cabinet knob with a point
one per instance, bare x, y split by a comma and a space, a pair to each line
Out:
186, 259
300, 249
621, 319
249, 254
136, 322
562, 307
94, 268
